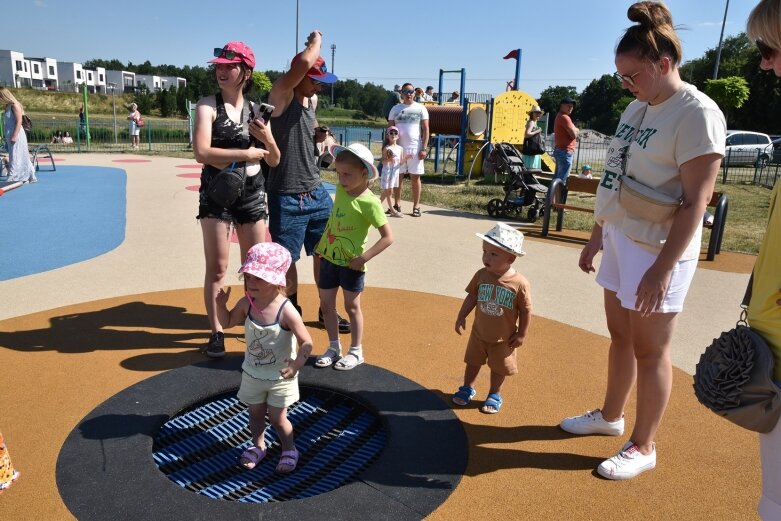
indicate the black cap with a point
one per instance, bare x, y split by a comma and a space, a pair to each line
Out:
429, 88
568, 100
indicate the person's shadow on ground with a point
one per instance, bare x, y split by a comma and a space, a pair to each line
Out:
130, 326
485, 459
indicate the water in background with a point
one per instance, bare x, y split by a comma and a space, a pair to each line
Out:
365, 135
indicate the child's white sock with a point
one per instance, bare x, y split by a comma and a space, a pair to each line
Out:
356, 350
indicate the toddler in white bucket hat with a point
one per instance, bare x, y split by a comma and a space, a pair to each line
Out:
501, 298
269, 379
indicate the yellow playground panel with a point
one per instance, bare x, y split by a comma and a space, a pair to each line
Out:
510, 114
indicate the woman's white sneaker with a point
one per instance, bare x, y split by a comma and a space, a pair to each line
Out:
592, 422
628, 463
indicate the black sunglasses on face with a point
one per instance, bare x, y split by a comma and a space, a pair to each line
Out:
394, 132
317, 83
765, 50
408, 92
228, 55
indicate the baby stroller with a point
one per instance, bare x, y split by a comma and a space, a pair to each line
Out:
521, 189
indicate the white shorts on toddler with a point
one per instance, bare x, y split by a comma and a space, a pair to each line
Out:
276, 393
624, 263
390, 178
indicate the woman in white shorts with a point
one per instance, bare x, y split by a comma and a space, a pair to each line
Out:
671, 138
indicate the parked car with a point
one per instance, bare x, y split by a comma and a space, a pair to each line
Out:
747, 148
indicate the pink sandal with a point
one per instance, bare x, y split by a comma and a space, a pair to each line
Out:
251, 457
287, 461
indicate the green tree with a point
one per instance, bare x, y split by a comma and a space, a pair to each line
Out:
619, 107
262, 84
729, 93
596, 104
144, 99
166, 102
551, 97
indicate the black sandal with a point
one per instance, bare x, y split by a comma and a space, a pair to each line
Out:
416, 212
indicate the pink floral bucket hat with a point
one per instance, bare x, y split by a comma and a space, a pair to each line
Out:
268, 261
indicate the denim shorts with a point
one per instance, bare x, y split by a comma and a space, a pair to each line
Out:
249, 208
297, 220
333, 276
563, 164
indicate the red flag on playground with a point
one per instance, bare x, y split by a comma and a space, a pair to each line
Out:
511, 54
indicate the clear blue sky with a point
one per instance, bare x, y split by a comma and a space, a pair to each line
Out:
564, 42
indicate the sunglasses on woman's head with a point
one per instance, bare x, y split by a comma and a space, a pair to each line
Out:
224, 53
765, 50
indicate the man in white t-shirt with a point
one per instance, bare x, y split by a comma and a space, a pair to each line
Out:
411, 118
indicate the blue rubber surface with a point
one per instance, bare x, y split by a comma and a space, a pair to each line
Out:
68, 216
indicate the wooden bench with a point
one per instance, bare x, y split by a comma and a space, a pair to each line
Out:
557, 192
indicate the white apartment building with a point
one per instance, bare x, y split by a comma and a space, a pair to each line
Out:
71, 75
156, 83
14, 69
48, 73
43, 73
96, 80
124, 81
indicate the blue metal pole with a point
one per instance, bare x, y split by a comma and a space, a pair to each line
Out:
439, 141
518, 71
465, 104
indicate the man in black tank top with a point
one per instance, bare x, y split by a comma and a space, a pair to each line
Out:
298, 205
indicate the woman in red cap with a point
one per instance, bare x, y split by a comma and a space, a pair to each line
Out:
225, 125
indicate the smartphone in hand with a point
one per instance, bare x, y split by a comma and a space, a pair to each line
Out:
265, 112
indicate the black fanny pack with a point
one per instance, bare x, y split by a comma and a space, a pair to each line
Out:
228, 185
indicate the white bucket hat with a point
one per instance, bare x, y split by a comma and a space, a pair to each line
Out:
363, 153
505, 237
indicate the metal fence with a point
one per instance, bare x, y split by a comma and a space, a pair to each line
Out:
105, 136
109, 135
754, 167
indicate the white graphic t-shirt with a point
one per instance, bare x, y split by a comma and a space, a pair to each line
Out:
685, 126
407, 118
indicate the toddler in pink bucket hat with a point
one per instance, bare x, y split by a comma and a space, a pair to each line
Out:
268, 261
277, 347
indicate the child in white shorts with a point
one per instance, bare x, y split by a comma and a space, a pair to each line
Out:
391, 162
272, 330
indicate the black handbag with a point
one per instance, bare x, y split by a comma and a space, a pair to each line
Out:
228, 185
734, 377
533, 146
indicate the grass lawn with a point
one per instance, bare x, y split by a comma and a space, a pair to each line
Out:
746, 216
